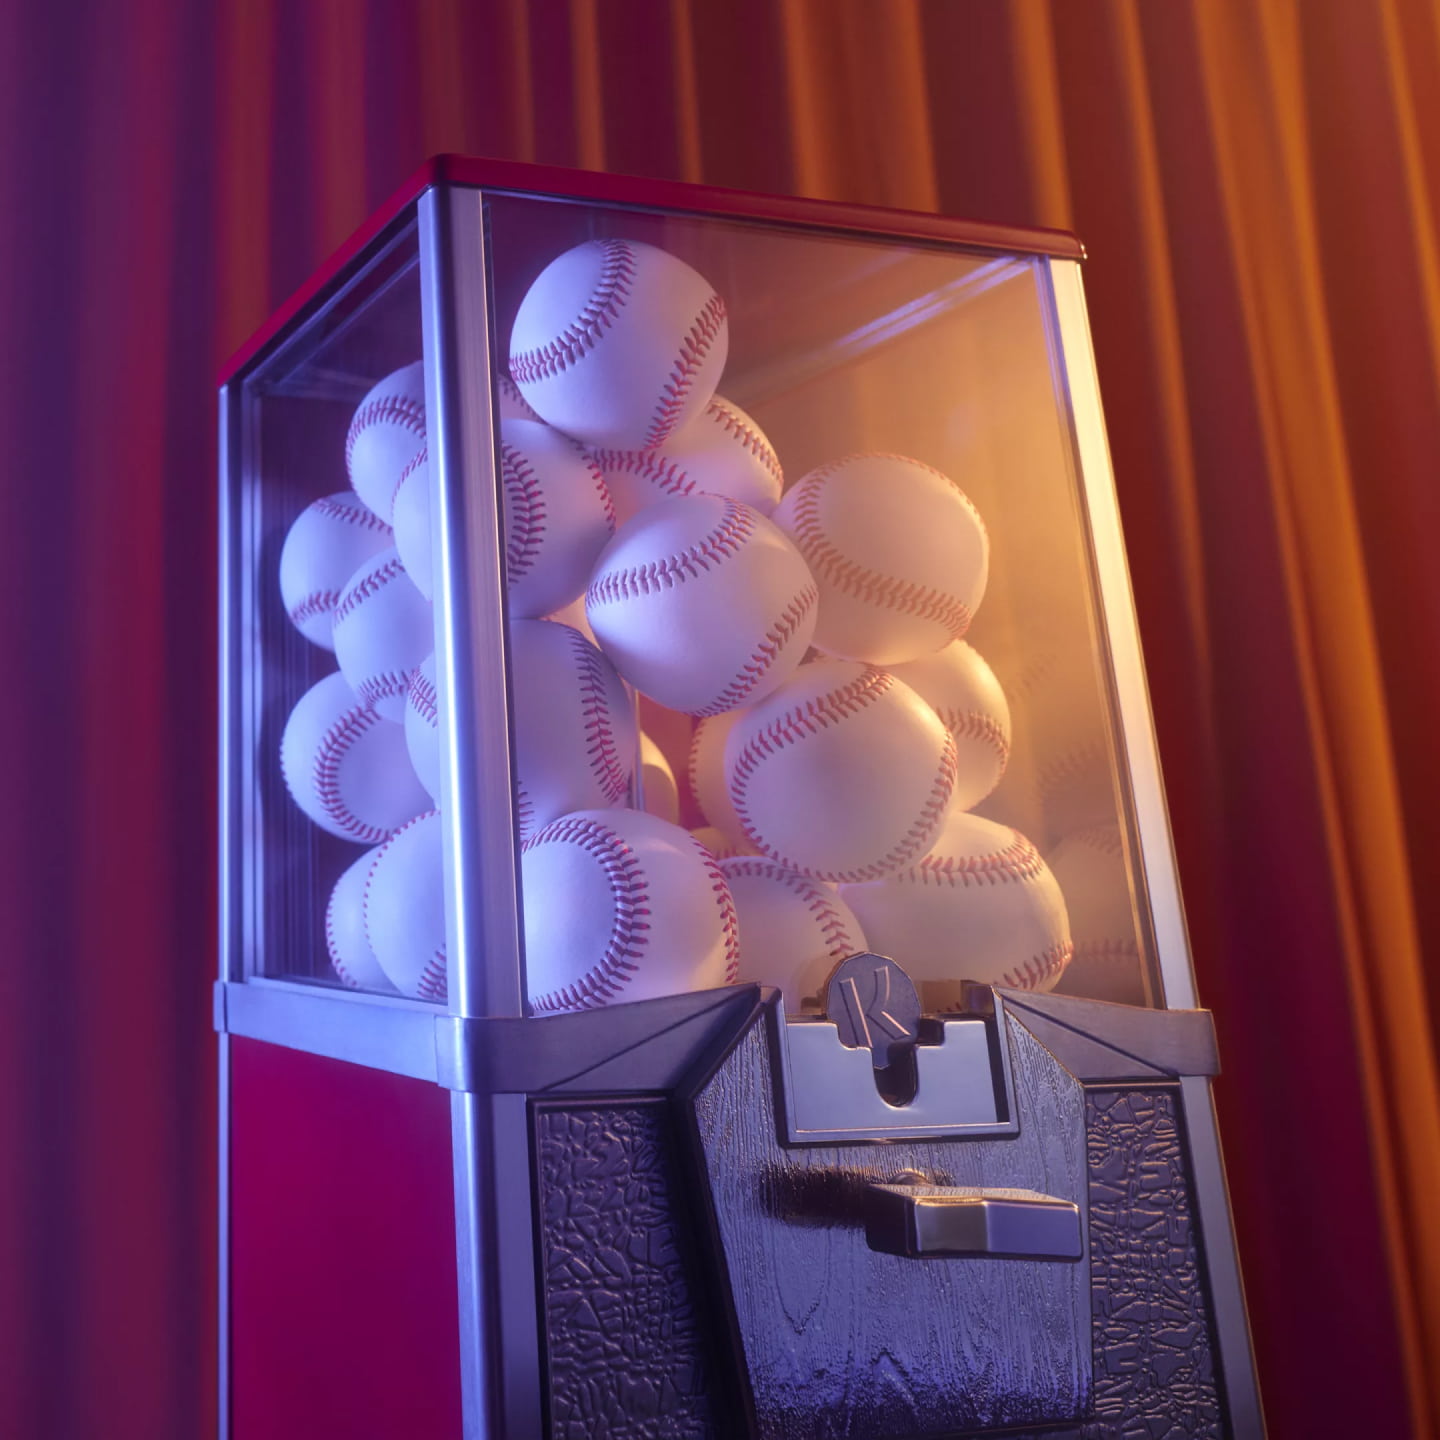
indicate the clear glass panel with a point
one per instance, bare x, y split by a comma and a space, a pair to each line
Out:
780, 612
332, 630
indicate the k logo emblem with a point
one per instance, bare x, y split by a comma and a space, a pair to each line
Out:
874, 1006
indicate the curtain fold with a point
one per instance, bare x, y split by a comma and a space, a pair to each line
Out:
1257, 186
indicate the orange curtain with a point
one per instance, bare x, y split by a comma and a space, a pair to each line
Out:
1256, 181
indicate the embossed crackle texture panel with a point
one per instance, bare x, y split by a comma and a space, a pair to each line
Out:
629, 1354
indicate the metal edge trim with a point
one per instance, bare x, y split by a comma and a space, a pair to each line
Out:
1117, 608
222, 1240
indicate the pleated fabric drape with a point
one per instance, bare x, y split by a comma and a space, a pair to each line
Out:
1256, 181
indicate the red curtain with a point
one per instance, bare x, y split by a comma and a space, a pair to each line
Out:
1256, 181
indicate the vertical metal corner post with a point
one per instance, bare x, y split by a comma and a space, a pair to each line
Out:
1075, 359
230, 962
1075, 365
499, 1340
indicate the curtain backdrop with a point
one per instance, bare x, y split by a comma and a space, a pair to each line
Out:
1256, 184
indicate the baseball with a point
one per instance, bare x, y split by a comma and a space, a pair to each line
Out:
963, 691
793, 930
329, 541
657, 781
720, 845
619, 344
708, 783
900, 555
509, 402
1089, 867
981, 905
383, 630
621, 905
351, 957
405, 908
720, 452
385, 435
702, 604
842, 774
558, 517
576, 739
345, 767
422, 726
410, 520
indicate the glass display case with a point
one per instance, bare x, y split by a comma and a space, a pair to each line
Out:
693, 843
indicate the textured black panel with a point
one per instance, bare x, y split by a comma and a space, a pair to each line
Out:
628, 1354
1154, 1365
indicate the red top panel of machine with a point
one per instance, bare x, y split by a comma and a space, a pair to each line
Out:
631, 190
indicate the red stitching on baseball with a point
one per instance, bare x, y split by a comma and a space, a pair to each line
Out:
665, 475
602, 750
736, 526
335, 744
694, 348
730, 420
423, 699
870, 586
1104, 838
1074, 765
975, 725
355, 511
1018, 860
729, 916
410, 468
318, 602
606, 978
524, 810
370, 875
755, 669
617, 273
367, 586
527, 512
387, 684
839, 940
432, 984
819, 714
511, 391
346, 978
1106, 951
398, 410
1035, 971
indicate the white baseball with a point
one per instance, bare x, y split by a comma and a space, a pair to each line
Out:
510, 404
621, 905
982, 906
702, 604
347, 768
963, 691
386, 433
657, 782
900, 554
573, 615
558, 517
793, 930
405, 908
619, 344
383, 629
708, 782
351, 957
722, 451
422, 726
720, 845
843, 773
410, 520
575, 734
330, 539
1089, 867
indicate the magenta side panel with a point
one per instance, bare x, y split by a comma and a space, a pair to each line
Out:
343, 1300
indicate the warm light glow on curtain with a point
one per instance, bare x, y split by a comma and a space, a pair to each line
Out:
1257, 187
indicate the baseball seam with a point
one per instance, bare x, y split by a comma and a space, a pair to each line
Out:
1074, 765
602, 752
370, 879
626, 945
367, 586
336, 964
665, 475
599, 313
773, 643
387, 410
839, 940
511, 391
335, 744
699, 340
354, 512
1017, 861
736, 526
524, 811
421, 456
976, 725
810, 719
729, 916
526, 529
1104, 838
423, 698
1035, 971
386, 685
1106, 950
869, 586
318, 602
730, 420
432, 982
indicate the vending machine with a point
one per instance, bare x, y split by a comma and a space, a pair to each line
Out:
701, 952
